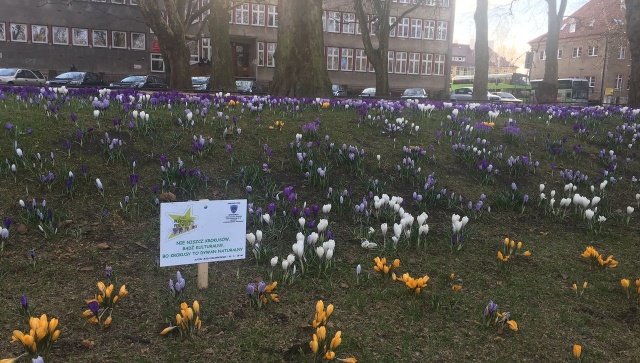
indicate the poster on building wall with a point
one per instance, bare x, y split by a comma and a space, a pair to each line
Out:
60, 35
18, 32
155, 45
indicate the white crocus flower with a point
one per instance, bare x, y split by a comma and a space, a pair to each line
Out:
320, 251
99, 184
541, 188
301, 222
274, 261
329, 254
322, 225
397, 230
630, 210
258, 236
383, 229
423, 229
266, 218
251, 238
589, 214
291, 259
285, 264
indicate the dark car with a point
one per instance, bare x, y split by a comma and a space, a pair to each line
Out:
466, 94
368, 93
414, 94
339, 90
201, 83
247, 87
21, 77
77, 79
140, 82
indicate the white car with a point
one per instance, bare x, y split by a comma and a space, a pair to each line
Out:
21, 77
506, 97
464, 94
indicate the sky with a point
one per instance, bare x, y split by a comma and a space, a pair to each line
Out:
510, 26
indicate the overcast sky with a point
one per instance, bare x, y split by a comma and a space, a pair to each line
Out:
510, 26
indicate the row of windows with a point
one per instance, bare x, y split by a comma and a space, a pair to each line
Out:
342, 22
592, 51
121, 2
82, 37
441, 3
619, 81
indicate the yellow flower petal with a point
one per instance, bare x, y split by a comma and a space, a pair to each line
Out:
625, 283
166, 331
123, 291
512, 325
577, 351
196, 307
335, 342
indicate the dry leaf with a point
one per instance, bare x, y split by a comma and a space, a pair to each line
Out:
167, 197
209, 351
141, 245
65, 223
344, 285
21, 228
87, 343
103, 246
86, 268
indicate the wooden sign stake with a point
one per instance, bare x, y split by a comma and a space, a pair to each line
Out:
203, 269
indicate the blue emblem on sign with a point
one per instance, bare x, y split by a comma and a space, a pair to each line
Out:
234, 208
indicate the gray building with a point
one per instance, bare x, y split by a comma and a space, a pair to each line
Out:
107, 37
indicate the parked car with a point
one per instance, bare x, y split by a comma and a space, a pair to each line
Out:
247, 87
202, 83
339, 90
466, 94
77, 79
368, 92
506, 97
21, 77
141, 82
414, 94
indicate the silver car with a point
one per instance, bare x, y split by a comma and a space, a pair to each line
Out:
466, 94
21, 77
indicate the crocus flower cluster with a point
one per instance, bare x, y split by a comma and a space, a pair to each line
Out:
510, 249
100, 309
176, 287
383, 268
318, 344
625, 283
260, 294
492, 317
596, 260
188, 321
42, 334
415, 285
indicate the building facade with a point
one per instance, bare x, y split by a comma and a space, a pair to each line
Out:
109, 36
592, 45
463, 59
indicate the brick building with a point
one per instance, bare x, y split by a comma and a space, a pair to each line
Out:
110, 36
592, 45
463, 59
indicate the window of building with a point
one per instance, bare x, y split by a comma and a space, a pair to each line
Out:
117, 1
373, 22
442, 30
430, 2
346, 62
392, 29
576, 52
438, 67
401, 62
543, 55
271, 51
414, 63
559, 53
138, 41
429, 29
619, 81
272, 19
622, 53
80, 37
572, 26
99, 38
403, 28
390, 61
60, 35
206, 48
592, 50
194, 51
333, 58
260, 51
257, 14
133, 2
361, 61
157, 63
118, 39
444, 3
39, 33
404, 1
592, 81
205, 4
334, 22
242, 14
349, 23
358, 29
324, 21
427, 64
416, 28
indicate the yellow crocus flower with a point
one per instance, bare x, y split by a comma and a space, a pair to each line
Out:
196, 307
123, 291
512, 325
55, 336
506, 241
321, 332
107, 322
335, 342
109, 291
8, 360
313, 344
526, 253
53, 324
519, 245
166, 331
625, 283
319, 306
330, 355
101, 286
584, 285
577, 351
512, 243
348, 360
329, 310
115, 299
396, 263
190, 314
457, 288
179, 319
574, 287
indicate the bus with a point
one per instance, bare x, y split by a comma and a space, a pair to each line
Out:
514, 83
571, 91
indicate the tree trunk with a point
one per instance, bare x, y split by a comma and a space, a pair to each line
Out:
222, 78
301, 68
178, 58
481, 77
547, 91
633, 33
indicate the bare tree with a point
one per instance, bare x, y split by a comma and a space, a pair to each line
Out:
174, 22
481, 78
300, 64
547, 91
378, 57
633, 33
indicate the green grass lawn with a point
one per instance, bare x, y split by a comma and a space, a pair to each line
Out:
381, 320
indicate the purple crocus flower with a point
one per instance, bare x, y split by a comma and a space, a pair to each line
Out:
251, 288
228, 148
32, 254
108, 270
94, 306
74, 117
261, 287
7, 222
24, 302
8, 126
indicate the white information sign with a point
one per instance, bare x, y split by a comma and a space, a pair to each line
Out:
202, 231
